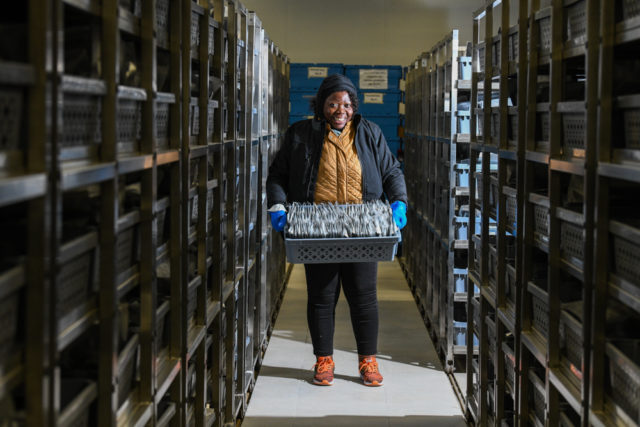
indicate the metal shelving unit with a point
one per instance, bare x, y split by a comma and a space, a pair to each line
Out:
136, 190
616, 281
437, 144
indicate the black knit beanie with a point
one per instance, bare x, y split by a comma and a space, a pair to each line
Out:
334, 83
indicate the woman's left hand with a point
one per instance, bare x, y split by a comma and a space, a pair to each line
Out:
399, 210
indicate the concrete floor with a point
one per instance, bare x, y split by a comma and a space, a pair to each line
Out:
416, 390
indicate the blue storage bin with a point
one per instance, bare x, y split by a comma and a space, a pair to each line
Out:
299, 102
462, 175
388, 124
464, 122
460, 280
309, 76
492, 225
374, 77
379, 103
464, 68
462, 228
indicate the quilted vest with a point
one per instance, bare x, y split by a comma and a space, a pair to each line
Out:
339, 172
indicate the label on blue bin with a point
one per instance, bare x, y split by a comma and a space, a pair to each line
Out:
376, 78
317, 72
374, 98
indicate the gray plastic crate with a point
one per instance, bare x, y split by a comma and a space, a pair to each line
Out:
571, 237
540, 217
162, 22
127, 361
630, 9
626, 248
632, 128
571, 342
576, 22
624, 376
337, 250
509, 365
574, 130
540, 305
10, 117
544, 28
163, 103
9, 315
538, 396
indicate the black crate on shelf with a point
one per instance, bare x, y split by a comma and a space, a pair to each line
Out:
11, 118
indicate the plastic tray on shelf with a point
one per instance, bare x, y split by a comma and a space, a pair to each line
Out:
76, 396
575, 28
630, 9
129, 118
630, 108
626, 250
542, 127
571, 341
511, 283
9, 318
163, 104
538, 396
464, 68
11, 117
543, 21
513, 44
77, 272
480, 57
623, 385
461, 228
509, 366
82, 117
162, 22
573, 127
127, 361
510, 194
540, 309
513, 124
541, 217
572, 235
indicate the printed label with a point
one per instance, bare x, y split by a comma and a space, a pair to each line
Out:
401, 108
374, 98
403, 85
374, 79
317, 72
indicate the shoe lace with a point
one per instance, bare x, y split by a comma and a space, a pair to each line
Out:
369, 365
324, 364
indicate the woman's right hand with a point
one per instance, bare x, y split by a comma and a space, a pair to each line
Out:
278, 220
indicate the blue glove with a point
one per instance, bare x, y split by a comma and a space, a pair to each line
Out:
278, 220
399, 210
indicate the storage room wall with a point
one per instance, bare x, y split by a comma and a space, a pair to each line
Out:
381, 32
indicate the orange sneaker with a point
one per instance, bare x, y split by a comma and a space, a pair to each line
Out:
369, 371
323, 370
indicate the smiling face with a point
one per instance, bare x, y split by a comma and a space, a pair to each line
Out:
338, 109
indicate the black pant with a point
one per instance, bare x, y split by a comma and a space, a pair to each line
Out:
323, 290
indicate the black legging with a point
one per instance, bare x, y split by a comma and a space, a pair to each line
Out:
323, 290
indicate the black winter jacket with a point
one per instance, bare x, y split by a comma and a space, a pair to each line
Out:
294, 171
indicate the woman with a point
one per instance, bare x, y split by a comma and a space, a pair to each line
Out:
337, 156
